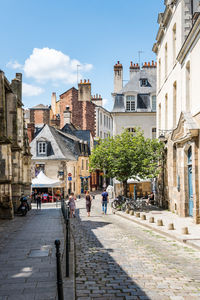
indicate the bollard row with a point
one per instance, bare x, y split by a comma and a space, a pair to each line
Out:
170, 226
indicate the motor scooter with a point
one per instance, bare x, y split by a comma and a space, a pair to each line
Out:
24, 206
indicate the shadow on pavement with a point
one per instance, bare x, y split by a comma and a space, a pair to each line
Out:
97, 272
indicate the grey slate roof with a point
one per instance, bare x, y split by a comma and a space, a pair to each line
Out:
134, 84
60, 146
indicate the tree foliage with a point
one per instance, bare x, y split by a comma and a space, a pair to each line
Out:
127, 156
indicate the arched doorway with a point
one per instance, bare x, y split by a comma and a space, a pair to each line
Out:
190, 189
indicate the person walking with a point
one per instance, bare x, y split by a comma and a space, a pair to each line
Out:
39, 200
105, 201
72, 205
88, 199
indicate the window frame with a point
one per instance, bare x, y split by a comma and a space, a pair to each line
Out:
42, 147
130, 101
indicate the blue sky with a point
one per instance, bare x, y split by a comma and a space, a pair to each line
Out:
47, 39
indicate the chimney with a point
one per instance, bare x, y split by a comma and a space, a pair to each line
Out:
16, 86
31, 131
84, 91
67, 116
133, 68
53, 103
118, 77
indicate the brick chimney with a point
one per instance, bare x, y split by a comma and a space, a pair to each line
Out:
84, 90
97, 99
133, 68
67, 116
53, 103
118, 77
31, 131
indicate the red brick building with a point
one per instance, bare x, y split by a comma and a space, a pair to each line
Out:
40, 114
81, 106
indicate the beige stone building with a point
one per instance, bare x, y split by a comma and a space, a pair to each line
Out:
178, 106
15, 157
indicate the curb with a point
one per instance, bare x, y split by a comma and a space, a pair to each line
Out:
183, 241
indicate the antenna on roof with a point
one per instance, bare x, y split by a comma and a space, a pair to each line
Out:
139, 53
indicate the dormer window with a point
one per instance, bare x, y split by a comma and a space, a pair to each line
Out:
42, 148
130, 103
143, 82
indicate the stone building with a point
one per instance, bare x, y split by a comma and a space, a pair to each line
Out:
178, 108
15, 154
135, 103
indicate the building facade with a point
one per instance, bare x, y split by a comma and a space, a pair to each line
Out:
62, 156
178, 107
135, 103
15, 157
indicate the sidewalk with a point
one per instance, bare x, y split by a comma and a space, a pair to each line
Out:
192, 239
27, 255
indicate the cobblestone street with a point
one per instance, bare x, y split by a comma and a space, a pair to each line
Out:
117, 259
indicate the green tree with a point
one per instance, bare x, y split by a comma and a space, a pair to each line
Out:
127, 156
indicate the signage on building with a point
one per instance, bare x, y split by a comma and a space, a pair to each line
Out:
69, 178
69, 174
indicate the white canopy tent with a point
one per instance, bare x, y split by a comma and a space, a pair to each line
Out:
42, 181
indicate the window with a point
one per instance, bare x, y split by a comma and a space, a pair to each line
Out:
74, 172
101, 134
74, 186
153, 133
100, 118
188, 87
143, 82
174, 104
131, 130
42, 147
174, 43
159, 73
130, 103
166, 60
159, 116
154, 103
166, 112
82, 165
38, 168
104, 120
86, 164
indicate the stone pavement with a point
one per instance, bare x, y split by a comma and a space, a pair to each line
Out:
27, 255
167, 217
118, 259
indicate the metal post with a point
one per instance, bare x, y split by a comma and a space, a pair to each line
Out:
67, 247
59, 272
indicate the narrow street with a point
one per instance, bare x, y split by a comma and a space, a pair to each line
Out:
117, 259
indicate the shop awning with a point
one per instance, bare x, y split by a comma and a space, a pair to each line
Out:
42, 181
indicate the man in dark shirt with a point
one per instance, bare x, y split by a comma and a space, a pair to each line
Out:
104, 201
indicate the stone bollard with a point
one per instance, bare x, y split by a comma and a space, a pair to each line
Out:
137, 215
151, 220
159, 222
131, 212
170, 226
127, 211
184, 230
143, 217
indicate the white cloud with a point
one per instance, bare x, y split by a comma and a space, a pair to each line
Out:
49, 64
14, 65
31, 90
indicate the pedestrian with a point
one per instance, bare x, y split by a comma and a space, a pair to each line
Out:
105, 201
72, 205
88, 199
39, 200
